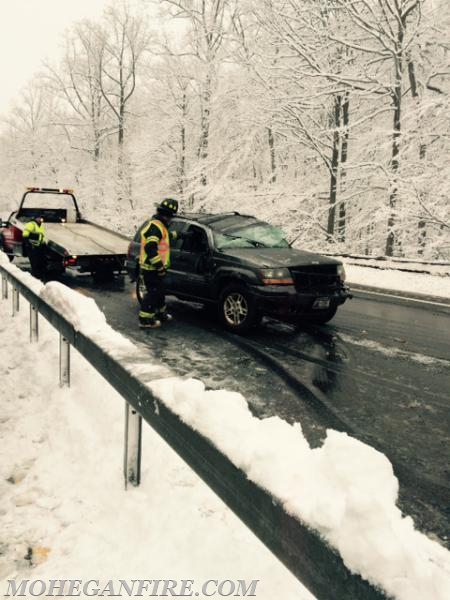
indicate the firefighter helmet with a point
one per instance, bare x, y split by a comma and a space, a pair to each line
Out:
169, 206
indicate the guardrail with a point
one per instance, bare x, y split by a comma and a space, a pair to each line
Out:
398, 264
393, 260
303, 551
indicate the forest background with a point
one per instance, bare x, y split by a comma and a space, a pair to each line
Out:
330, 118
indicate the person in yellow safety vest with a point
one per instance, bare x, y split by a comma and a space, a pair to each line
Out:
154, 260
34, 245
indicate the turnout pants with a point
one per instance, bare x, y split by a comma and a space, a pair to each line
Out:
36, 256
154, 301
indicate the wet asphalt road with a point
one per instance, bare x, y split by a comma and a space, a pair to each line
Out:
380, 370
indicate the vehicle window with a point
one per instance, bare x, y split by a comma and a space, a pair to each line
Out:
180, 227
257, 235
196, 241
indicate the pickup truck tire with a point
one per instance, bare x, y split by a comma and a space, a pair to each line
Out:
237, 310
140, 289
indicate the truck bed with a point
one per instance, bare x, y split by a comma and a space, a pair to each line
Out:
83, 239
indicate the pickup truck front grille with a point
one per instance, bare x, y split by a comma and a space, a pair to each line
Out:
317, 278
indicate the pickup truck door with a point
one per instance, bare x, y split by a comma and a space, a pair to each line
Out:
190, 259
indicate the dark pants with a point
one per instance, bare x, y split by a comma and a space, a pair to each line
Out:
36, 256
154, 300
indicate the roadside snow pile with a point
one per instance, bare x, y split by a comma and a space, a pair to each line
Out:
23, 276
85, 316
345, 490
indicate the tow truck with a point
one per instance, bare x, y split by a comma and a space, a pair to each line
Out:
72, 241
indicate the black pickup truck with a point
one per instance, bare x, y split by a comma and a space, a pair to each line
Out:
72, 241
247, 269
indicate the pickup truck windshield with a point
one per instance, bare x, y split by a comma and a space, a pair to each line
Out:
254, 236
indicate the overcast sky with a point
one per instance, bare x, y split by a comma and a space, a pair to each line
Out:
32, 30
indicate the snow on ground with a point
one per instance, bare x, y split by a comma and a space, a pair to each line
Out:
62, 485
387, 276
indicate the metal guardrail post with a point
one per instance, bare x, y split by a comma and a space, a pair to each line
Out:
133, 446
4, 287
15, 301
64, 362
34, 324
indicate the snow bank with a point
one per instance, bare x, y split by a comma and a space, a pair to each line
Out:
345, 490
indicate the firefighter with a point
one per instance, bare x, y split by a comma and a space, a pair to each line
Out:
34, 245
154, 260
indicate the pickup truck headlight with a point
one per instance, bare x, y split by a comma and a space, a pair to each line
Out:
276, 277
341, 273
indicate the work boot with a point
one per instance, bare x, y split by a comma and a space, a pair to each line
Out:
149, 323
165, 317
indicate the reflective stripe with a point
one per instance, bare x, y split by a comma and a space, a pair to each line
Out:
142, 253
146, 315
164, 249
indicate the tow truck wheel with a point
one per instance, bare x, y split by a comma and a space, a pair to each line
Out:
237, 309
103, 275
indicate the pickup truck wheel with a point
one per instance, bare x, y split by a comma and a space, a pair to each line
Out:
237, 309
140, 289
322, 316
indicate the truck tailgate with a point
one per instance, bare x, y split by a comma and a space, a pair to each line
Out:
80, 239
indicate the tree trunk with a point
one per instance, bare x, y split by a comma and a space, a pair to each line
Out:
273, 166
120, 153
204, 133
391, 239
334, 166
344, 153
182, 166
422, 231
422, 237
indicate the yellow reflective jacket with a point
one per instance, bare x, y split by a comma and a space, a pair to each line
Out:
155, 246
35, 233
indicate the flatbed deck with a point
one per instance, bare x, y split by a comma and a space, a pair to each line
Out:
83, 239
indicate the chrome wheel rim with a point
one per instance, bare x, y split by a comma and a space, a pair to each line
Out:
235, 309
141, 288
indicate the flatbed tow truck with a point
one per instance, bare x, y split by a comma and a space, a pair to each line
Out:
72, 241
